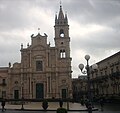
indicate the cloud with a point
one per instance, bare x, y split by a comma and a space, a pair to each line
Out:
94, 27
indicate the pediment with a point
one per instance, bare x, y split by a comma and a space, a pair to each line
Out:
38, 47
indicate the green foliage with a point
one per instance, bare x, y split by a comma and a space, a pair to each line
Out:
61, 110
45, 104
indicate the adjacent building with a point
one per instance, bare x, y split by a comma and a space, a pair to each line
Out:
44, 71
105, 81
79, 86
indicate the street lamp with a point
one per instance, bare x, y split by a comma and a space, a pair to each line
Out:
81, 67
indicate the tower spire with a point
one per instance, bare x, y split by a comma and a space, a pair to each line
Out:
60, 3
61, 19
61, 15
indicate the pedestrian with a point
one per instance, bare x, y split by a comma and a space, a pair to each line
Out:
61, 102
101, 104
82, 101
89, 107
86, 103
3, 104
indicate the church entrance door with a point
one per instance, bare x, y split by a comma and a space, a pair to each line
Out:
64, 93
39, 90
16, 94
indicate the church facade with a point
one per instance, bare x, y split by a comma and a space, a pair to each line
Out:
44, 71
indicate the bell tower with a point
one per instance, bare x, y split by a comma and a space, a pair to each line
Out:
63, 59
62, 38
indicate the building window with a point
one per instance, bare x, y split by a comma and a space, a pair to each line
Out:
117, 69
3, 81
61, 42
16, 82
39, 66
3, 94
62, 54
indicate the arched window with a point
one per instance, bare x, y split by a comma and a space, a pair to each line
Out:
62, 53
39, 65
61, 33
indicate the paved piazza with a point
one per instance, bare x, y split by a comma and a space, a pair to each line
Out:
36, 108
52, 106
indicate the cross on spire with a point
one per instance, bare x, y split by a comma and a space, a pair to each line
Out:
60, 3
39, 30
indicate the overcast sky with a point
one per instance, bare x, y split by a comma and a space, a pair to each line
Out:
94, 27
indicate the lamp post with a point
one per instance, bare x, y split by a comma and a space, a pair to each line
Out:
81, 67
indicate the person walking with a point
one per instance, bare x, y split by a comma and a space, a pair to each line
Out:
61, 102
86, 103
82, 101
3, 104
89, 107
101, 104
